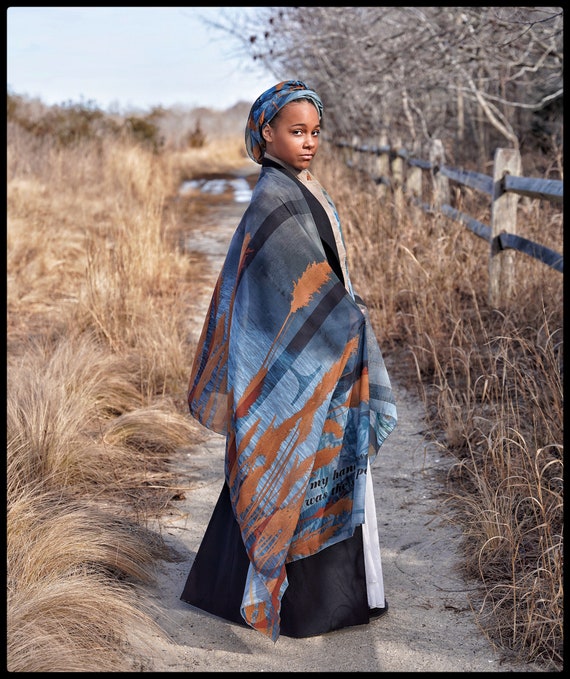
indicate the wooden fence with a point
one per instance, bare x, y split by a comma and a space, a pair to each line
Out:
397, 171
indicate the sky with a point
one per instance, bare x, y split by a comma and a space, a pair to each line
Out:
129, 58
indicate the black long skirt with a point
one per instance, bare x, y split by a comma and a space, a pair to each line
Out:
326, 592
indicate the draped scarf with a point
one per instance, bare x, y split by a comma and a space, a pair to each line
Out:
288, 368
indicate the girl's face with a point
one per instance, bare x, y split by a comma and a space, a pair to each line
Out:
293, 135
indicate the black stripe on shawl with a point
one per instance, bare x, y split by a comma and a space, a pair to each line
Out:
269, 225
321, 220
316, 318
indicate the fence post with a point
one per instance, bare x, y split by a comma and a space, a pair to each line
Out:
439, 182
356, 155
382, 169
369, 158
414, 180
503, 220
397, 181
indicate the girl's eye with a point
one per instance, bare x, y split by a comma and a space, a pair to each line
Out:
314, 133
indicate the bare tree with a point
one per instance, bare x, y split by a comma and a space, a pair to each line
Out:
490, 74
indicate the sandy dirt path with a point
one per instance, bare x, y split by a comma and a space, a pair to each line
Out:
430, 626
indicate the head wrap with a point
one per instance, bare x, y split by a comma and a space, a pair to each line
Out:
266, 107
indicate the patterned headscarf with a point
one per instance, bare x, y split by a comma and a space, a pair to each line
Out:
266, 107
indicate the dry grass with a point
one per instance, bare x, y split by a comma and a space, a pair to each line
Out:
100, 345
72, 572
99, 354
491, 380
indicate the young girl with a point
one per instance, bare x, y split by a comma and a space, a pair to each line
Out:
288, 368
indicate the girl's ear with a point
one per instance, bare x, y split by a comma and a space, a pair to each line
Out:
267, 132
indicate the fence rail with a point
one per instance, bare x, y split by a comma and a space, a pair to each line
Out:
397, 170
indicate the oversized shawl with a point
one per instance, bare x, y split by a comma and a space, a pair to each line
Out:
288, 368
